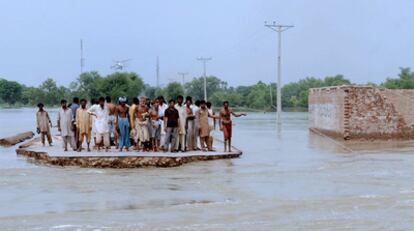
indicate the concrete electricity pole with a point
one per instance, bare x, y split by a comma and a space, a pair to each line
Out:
204, 60
157, 71
183, 74
82, 60
279, 29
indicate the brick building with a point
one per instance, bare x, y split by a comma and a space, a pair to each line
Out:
362, 112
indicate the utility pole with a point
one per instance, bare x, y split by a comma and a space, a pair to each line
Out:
204, 60
157, 70
82, 60
183, 74
279, 28
271, 96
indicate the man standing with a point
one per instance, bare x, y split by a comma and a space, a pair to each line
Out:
190, 126
180, 145
43, 124
162, 107
204, 128
142, 116
74, 106
122, 120
101, 114
83, 124
65, 125
112, 127
132, 117
171, 125
226, 124
211, 123
156, 126
195, 108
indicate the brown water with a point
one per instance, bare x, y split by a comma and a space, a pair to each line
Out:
287, 179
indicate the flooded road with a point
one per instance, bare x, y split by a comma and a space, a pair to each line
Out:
287, 179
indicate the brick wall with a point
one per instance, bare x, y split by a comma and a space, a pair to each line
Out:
363, 112
326, 110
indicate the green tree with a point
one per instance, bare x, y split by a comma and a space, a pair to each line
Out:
172, 90
10, 91
195, 88
405, 80
32, 96
87, 85
121, 84
50, 92
259, 96
235, 99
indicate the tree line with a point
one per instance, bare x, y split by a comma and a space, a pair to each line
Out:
259, 96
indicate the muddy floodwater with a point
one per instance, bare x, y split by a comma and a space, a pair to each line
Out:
287, 179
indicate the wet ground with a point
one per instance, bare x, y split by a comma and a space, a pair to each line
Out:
287, 179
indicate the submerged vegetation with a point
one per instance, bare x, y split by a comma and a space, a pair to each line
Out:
260, 96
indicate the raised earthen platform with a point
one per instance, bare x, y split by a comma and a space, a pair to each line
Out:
114, 159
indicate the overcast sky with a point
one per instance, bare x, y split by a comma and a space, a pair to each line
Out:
365, 40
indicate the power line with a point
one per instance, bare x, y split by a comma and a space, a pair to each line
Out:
279, 28
204, 60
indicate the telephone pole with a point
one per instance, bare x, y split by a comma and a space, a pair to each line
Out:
183, 74
157, 70
204, 60
82, 60
279, 28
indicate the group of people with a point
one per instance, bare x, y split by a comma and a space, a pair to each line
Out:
145, 125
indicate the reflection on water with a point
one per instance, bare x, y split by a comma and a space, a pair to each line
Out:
286, 179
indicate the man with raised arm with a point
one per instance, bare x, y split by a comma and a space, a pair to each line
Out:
226, 124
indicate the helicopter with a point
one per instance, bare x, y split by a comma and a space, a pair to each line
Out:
120, 64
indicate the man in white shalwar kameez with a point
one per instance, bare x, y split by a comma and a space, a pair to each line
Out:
101, 114
182, 111
162, 106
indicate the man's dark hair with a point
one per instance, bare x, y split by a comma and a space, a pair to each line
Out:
83, 100
180, 97
202, 101
135, 100
197, 103
208, 104
93, 101
76, 100
107, 99
226, 102
63, 101
189, 98
40, 105
171, 101
161, 99
101, 99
